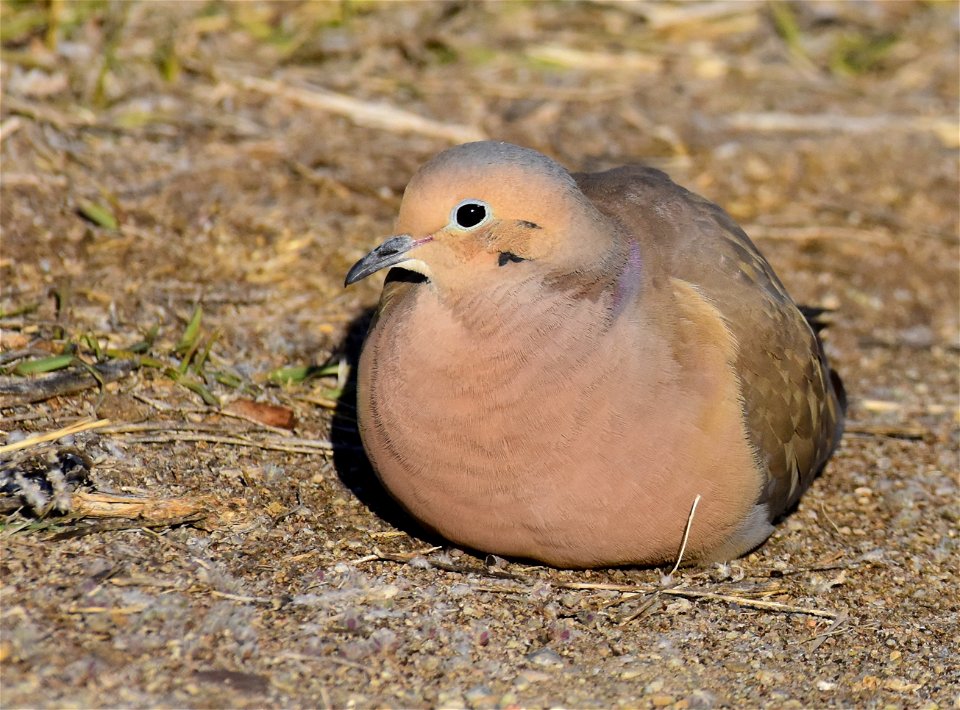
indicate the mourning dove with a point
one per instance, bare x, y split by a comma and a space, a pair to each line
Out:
562, 364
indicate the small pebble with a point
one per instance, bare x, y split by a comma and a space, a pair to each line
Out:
546, 658
450, 699
480, 696
508, 700
526, 678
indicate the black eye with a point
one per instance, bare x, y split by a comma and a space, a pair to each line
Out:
470, 214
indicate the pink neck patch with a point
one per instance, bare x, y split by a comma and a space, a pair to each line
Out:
628, 284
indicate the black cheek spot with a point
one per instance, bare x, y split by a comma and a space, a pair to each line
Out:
529, 225
507, 256
399, 274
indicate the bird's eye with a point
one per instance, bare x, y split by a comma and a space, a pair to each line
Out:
470, 213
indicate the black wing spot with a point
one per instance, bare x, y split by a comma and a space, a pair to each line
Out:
507, 256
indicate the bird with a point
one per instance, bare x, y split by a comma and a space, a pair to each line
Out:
586, 370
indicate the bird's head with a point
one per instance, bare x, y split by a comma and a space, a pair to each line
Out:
487, 214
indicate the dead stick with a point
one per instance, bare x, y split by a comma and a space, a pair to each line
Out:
28, 391
54, 435
302, 448
888, 431
9, 127
134, 609
943, 127
106, 505
124, 525
753, 603
675, 592
364, 113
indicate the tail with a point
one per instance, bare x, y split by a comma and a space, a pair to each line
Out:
817, 317
840, 390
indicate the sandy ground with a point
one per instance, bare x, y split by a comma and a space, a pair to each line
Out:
156, 156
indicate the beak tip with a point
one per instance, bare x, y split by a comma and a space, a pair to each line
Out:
387, 254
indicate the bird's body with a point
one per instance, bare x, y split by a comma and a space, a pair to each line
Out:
570, 371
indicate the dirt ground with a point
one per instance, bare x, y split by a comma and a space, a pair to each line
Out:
158, 156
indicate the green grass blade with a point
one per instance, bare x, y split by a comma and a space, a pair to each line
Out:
190, 334
227, 378
199, 361
201, 389
98, 214
44, 364
292, 374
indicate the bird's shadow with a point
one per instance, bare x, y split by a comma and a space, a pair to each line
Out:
349, 458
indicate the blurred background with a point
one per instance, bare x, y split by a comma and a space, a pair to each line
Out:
261, 137
190, 181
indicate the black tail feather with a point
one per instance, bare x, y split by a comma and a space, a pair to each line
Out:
817, 317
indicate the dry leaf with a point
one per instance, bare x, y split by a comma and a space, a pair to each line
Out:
262, 413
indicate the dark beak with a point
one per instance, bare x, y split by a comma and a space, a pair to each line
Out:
391, 252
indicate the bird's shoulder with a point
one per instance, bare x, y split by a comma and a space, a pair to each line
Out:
694, 238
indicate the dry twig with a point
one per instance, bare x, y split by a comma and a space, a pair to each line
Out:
364, 113
889, 431
124, 525
133, 609
9, 127
686, 535
76, 428
294, 656
301, 446
275, 602
152, 510
27, 391
632, 62
835, 628
747, 602
776, 122
627, 588
175, 431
